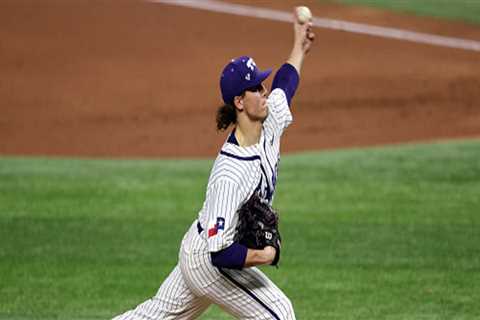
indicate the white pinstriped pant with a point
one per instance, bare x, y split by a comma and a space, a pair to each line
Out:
194, 284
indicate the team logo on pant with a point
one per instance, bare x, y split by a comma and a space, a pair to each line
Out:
215, 226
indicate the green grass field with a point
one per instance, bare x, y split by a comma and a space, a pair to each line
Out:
465, 10
381, 233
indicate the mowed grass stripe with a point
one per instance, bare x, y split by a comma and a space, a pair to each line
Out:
380, 233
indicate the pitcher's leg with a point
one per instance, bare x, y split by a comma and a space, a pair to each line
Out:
174, 300
246, 294
254, 288
249, 294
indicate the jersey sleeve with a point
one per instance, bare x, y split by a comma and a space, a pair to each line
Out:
279, 114
287, 79
222, 201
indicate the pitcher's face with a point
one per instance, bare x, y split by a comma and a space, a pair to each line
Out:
255, 103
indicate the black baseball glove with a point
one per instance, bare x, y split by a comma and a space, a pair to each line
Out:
258, 226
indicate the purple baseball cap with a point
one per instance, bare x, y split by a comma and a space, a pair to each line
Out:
240, 74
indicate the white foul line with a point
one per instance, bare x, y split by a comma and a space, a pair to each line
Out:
277, 15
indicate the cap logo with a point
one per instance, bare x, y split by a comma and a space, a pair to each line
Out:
251, 65
247, 77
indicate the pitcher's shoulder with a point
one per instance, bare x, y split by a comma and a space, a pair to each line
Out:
238, 165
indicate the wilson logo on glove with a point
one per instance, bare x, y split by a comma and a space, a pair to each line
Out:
268, 235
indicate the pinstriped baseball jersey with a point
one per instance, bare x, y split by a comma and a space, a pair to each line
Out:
195, 283
240, 171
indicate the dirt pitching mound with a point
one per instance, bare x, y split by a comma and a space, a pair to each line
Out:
136, 79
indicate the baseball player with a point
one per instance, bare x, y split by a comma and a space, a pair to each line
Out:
212, 267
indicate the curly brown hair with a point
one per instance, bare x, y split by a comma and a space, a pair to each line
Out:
226, 115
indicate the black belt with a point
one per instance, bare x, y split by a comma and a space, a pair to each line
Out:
199, 227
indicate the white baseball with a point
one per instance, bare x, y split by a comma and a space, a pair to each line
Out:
303, 14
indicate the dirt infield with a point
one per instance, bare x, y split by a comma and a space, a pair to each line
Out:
135, 79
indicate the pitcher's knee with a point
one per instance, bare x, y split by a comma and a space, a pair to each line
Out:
284, 308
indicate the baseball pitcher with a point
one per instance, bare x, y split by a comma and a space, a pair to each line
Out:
237, 229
